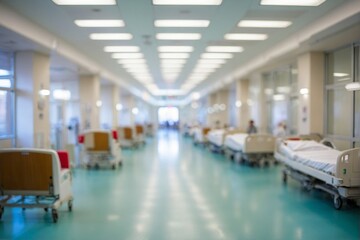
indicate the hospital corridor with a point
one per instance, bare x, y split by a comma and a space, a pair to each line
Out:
180, 119
173, 190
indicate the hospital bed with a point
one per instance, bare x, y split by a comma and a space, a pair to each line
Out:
200, 135
33, 178
217, 137
253, 148
139, 134
318, 166
101, 149
126, 136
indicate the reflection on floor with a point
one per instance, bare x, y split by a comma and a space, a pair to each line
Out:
170, 189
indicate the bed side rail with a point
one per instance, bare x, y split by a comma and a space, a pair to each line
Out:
258, 143
125, 133
97, 141
29, 172
348, 167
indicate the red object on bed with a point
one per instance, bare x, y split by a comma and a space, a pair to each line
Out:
64, 159
115, 135
81, 138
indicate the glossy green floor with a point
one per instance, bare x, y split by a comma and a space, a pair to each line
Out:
170, 189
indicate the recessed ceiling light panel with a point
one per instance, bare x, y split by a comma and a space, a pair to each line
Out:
246, 36
178, 36
100, 23
110, 36
85, 2
264, 24
121, 49
187, 2
175, 49
181, 23
217, 55
174, 55
292, 2
224, 49
127, 55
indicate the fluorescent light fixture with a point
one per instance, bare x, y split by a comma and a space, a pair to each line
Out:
5, 83
279, 97
100, 23
174, 55
44, 92
341, 74
85, 2
175, 49
61, 94
355, 86
187, 2
246, 36
135, 65
292, 2
135, 111
137, 70
304, 91
181, 23
168, 65
217, 55
173, 61
121, 49
4, 72
110, 36
238, 104
178, 36
127, 55
98, 103
207, 65
226, 49
119, 107
203, 70
212, 61
195, 95
131, 61
264, 24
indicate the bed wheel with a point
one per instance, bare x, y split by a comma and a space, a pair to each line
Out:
46, 209
97, 166
55, 215
1, 211
113, 167
337, 202
70, 205
284, 178
120, 163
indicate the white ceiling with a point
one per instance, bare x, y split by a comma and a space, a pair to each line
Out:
139, 16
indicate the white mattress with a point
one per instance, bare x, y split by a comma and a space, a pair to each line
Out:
235, 141
216, 137
312, 154
198, 135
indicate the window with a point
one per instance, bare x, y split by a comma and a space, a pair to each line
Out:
342, 106
280, 89
6, 96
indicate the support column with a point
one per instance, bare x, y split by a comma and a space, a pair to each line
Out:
311, 106
242, 96
211, 118
222, 99
89, 93
32, 71
108, 112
